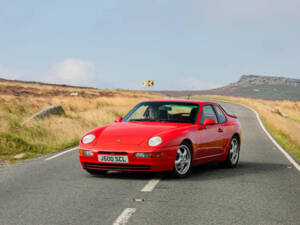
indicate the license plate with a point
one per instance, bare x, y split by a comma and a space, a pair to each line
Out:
113, 158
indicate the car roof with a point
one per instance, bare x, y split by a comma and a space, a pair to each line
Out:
200, 102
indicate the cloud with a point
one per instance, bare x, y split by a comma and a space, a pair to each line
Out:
83, 73
14, 73
72, 71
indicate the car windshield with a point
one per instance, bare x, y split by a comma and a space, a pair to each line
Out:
178, 112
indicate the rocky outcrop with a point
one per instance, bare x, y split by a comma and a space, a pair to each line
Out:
250, 80
252, 86
52, 110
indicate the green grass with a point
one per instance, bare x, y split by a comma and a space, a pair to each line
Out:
22, 139
13, 144
28, 140
284, 140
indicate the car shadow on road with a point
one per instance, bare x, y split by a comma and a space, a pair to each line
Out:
134, 175
213, 171
209, 171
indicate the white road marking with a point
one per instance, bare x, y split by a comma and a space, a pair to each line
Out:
283, 151
150, 185
124, 217
61, 153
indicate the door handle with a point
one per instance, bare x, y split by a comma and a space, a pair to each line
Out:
220, 130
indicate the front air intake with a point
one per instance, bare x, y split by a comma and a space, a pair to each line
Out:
113, 166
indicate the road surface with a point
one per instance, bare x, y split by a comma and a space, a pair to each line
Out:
264, 189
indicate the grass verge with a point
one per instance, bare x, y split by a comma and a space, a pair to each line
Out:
281, 118
84, 110
284, 141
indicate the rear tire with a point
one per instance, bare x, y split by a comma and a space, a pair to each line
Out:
233, 155
183, 161
96, 172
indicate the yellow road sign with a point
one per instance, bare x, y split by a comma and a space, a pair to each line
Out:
148, 83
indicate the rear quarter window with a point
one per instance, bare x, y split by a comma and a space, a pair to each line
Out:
228, 113
221, 116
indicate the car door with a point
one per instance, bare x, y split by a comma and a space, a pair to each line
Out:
222, 128
209, 138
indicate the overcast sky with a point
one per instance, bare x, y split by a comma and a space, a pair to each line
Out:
180, 44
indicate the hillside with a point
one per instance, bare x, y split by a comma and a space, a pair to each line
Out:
253, 86
84, 109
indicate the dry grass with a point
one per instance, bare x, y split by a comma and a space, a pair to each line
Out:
90, 109
282, 118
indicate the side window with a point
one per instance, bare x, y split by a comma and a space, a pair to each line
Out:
208, 112
222, 118
139, 113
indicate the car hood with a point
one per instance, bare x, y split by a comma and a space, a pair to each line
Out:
132, 133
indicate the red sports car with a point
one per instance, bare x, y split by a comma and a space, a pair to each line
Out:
164, 135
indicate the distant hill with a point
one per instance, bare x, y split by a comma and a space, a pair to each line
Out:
249, 86
43, 83
40, 89
253, 86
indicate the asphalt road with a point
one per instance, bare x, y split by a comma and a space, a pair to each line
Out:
264, 189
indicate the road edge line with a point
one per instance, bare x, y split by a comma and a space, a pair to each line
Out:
124, 217
279, 147
61, 153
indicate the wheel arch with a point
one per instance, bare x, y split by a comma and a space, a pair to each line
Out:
186, 140
238, 137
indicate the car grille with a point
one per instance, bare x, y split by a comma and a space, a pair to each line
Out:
113, 166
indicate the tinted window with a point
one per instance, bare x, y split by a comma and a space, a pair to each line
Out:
208, 112
222, 118
178, 112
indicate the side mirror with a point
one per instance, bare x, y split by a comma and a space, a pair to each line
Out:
209, 121
234, 115
118, 119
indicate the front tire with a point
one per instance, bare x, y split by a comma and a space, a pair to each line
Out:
233, 155
183, 161
96, 172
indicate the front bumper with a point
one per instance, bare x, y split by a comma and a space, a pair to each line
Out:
164, 163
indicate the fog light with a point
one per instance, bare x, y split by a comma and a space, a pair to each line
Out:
141, 155
86, 153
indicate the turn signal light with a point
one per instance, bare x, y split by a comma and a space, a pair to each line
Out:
149, 155
156, 154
